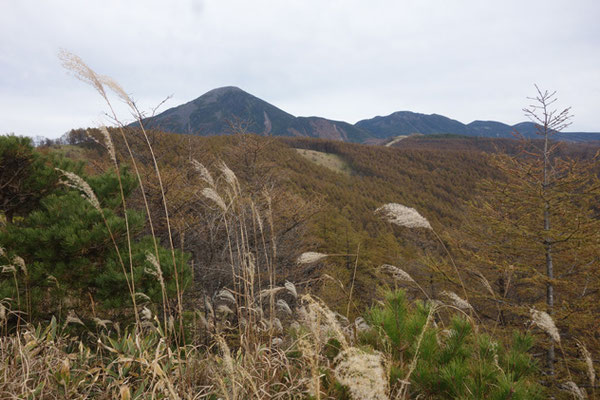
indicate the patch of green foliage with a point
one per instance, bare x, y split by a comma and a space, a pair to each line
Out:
453, 363
70, 251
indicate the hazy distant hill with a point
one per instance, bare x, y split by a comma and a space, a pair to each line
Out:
214, 113
407, 123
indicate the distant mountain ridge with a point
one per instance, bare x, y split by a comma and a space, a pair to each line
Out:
220, 110
407, 123
214, 112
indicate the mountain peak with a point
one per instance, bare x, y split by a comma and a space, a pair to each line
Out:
224, 90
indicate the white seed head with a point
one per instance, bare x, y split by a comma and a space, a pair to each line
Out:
211, 194
229, 176
19, 262
204, 173
404, 216
102, 322
226, 295
543, 320
8, 269
73, 319
109, 144
277, 325
76, 182
155, 270
208, 306
110, 83
361, 325
363, 373
310, 257
257, 217
81, 71
146, 314
321, 320
457, 301
575, 390
284, 307
291, 288
142, 296
268, 292
588, 362
397, 273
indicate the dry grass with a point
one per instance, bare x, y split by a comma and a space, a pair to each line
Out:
330, 161
256, 337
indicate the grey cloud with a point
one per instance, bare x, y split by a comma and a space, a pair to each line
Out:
338, 59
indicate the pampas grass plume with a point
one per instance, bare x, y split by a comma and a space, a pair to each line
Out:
543, 320
204, 173
76, 182
310, 257
397, 273
457, 301
212, 194
575, 390
363, 373
588, 362
291, 288
404, 216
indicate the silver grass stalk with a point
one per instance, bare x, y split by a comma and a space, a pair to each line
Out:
257, 216
226, 295
404, 216
397, 273
19, 262
156, 270
591, 372
361, 325
2, 312
2, 252
363, 373
575, 390
310, 257
485, 283
212, 194
543, 320
110, 83
8, 269
76, 182
267, 292
146, 314
73, 319
229, 176
291, 288
457, 301
316, 313
208, 306
142, 296
81, 71
284, 307
108, 143
277, 325
102, 322
204, 173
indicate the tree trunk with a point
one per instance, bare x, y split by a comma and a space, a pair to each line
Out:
550, 357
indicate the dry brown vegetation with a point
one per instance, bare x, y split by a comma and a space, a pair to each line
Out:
295, 270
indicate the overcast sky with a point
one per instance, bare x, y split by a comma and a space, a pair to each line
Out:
345, 59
